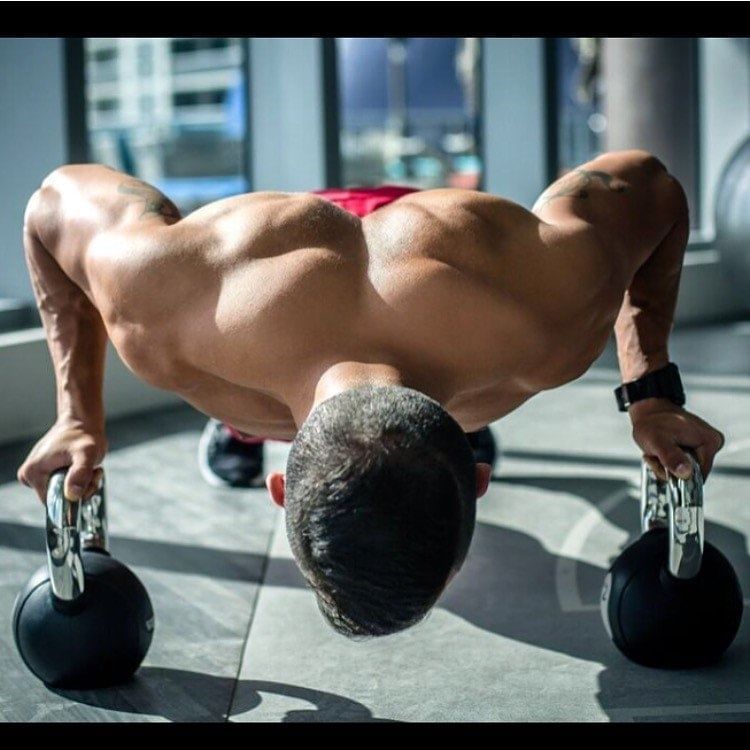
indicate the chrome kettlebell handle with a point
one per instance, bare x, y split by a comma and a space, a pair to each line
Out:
677, 505
72, 526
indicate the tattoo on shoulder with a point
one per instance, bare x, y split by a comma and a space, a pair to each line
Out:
576, 184
154, 202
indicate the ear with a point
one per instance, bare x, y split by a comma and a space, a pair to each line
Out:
484, 474
276, 485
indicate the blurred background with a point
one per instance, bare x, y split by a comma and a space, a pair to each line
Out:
205, 118
518, 636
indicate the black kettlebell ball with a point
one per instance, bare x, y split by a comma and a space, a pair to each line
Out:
658, 620
96, 640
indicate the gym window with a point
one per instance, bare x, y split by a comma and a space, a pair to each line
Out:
598, 84
408, 111
171, 111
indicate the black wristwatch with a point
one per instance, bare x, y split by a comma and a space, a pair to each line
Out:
663, 383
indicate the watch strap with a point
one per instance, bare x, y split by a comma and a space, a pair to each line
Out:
662, 383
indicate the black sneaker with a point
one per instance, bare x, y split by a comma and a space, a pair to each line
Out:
485, 446
225, 461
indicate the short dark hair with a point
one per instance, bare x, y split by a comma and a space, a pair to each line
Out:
380, 506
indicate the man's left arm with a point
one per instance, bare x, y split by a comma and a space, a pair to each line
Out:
661, 428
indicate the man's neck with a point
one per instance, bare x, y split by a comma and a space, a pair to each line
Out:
344, 376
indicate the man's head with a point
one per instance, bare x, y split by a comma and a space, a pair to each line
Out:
380, 498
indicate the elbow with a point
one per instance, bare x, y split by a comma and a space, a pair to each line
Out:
680, 201
675, 205
54, 180
62, 178
64, 173
665, 184
42, 210
35, 208
44, 194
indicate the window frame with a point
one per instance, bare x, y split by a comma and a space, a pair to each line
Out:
75, 105
699, 235
332, 125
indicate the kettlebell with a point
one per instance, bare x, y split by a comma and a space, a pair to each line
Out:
84, 619
671, 599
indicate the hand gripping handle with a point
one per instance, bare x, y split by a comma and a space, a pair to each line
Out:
71, 526
677, 505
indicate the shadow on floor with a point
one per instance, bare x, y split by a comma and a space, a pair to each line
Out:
508, 586
488, 595
180, 695
228, 565
586, 459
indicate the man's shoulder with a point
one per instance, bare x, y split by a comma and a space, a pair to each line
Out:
463, 209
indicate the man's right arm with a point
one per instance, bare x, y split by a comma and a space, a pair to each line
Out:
641, 212
75, 332
76, 339
74, 204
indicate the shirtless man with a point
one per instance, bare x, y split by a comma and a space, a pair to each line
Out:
374, 344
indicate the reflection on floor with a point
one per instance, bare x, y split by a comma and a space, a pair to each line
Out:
516, 637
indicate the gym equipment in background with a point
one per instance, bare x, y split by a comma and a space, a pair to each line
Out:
83, 619
671, 599
732, 219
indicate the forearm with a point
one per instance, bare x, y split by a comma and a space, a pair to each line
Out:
645, 320
76, 336
642, 335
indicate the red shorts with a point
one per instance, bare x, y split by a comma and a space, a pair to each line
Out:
360, 202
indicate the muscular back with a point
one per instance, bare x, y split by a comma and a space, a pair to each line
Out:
241, 306
265, 292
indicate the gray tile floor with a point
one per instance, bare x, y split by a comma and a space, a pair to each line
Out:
516, 637
201, 552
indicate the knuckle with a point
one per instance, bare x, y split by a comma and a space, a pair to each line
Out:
662, 446
673, 455
86, 454
39, 487
642, 436
78, 477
